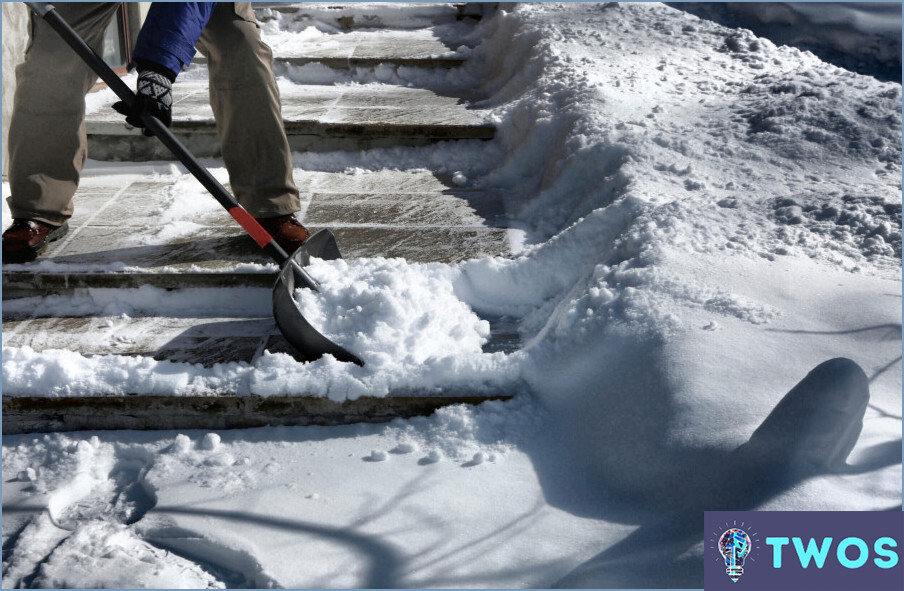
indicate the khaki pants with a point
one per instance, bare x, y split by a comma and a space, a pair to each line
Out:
47, 138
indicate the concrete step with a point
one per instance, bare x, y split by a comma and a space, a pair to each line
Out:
117, 239
316, 117
419, 48
38, 414
206, 340
357, 15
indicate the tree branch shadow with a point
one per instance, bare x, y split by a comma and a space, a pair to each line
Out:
385, 562
810, 433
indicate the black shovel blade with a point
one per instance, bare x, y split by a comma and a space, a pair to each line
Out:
306, 339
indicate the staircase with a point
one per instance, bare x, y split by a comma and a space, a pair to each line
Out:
116, 243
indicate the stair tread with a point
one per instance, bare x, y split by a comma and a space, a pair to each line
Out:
118, 238
207, 340
306, 106
356, 15
439, 47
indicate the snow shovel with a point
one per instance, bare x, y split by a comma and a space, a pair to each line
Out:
291, 322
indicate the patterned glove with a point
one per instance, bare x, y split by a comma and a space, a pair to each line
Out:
154, 96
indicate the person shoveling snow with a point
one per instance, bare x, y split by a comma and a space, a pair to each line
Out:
47, 137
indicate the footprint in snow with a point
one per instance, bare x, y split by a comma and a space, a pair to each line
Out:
121, 498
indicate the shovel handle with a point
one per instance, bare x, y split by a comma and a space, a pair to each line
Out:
46, 11
40, 8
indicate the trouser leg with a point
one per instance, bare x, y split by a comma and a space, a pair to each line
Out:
47, 139
246, 106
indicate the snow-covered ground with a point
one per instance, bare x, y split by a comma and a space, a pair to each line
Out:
704, 219
861, 36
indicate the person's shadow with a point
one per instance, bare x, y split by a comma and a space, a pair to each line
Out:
810, 432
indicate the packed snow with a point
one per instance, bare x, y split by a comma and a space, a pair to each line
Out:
706, 223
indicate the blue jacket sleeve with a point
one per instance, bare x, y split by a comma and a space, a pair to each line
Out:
170, 32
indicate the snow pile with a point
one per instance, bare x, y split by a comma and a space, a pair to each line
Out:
712, 226
68, 373
689, 175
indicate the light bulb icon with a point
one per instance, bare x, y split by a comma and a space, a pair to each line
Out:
734, 546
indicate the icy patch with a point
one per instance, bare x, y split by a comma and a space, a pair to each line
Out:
95, 101
174, 231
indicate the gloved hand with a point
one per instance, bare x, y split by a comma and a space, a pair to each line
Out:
154, 95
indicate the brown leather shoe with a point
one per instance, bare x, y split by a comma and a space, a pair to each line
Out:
287, 230
25, 239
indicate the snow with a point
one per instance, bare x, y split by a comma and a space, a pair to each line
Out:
706, 218
862, 36
392, 312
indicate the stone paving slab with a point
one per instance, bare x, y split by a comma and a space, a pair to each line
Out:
404, 209
116, 239
316, 118
387, 181
204, 341
426, 199
419, 246
212, 262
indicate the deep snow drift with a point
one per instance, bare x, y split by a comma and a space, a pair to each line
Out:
704, 221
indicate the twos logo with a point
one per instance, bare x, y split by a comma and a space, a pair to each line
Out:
884, 547
734, 546
823, 550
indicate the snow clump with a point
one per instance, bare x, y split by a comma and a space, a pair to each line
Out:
389, 311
